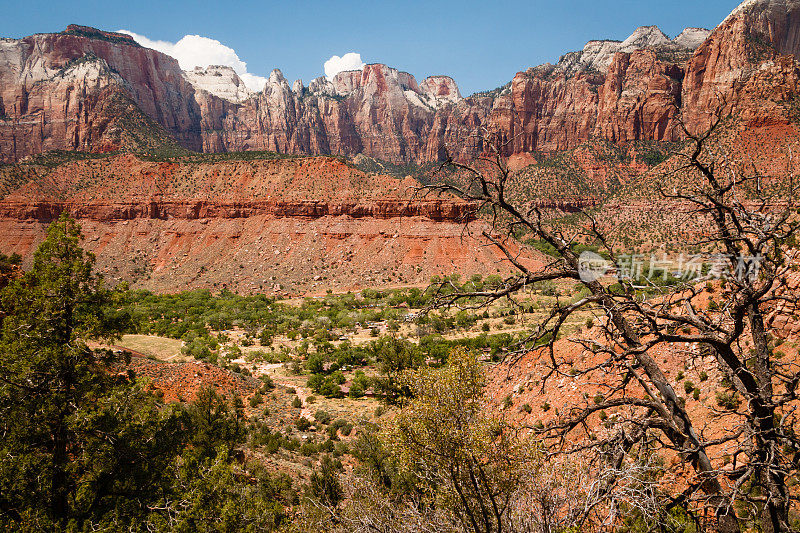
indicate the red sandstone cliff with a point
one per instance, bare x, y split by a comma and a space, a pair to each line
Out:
284, 225
747, 66
55, 91
63, 91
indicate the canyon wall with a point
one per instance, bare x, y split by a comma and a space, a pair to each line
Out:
62, 91
281, 226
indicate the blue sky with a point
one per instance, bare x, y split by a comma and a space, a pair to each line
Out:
481, 44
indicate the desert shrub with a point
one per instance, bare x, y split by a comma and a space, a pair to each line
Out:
303, 424
323, 417
727, 400
256, 399
308, 449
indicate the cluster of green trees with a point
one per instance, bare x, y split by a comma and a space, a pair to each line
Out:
8, 266
83, 447
199, 311
391, 356
195, 314
445, 463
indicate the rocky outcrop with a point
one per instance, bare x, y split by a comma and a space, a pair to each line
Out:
157, 208
386, 114
221, 81
637, 100
691, 38
125, 188
378, 111
56, 91
55, 87
598, 55
551, 109
440, 90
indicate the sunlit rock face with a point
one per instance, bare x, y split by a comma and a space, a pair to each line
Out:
66, 91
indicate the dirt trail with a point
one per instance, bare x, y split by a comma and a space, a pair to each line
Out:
271, 370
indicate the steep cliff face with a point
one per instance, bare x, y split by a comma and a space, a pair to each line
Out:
552, 108
637, 99
379, 111
54, 91
386, 114
55, 88
747, 66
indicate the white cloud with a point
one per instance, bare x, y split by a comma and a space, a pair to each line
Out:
197, 51
336, 64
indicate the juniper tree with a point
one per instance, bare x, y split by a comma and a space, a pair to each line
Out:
73, 435
85, 445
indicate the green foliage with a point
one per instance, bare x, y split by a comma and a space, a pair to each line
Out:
324, 485
51, 380
394, 357
303, 423
54, 158
308, 448
194, 314
443, 436
727, 400
215, 499
9, 265
323, 417
91, 33
493, 93
675, 519
85, 448
360, 384
256, 399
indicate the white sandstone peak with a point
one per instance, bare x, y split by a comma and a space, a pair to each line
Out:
219, 80
692, 38
645, 37
742, 7
440, 90
776, 6
321, 86
276, 77
598, 54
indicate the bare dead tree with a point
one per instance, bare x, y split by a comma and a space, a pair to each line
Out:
752, 225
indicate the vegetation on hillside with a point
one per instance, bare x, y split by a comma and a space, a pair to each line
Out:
83, 448
756, 247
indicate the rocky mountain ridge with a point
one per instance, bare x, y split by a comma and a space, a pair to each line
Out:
55, 86
55, 89
598, 55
